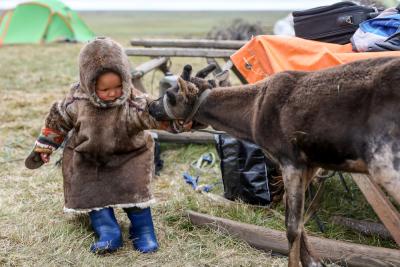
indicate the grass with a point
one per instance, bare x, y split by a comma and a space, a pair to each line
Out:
35, 232
127, 25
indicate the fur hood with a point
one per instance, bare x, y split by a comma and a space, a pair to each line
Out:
95, 58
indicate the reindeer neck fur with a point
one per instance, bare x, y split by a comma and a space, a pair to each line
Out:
230, 109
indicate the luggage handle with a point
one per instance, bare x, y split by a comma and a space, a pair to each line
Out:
348, 20
345, 20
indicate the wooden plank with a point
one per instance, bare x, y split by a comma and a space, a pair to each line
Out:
364, 227
189, 43
137, 83
345, 253
179, 52
184, 138
148, 66
385, 210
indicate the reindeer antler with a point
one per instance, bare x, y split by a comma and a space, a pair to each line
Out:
187, 71
205, 71
199, 79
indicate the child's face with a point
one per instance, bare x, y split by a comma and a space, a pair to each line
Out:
109, 86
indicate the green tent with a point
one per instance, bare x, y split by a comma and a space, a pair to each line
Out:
41, 21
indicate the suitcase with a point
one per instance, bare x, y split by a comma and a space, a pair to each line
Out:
332, 24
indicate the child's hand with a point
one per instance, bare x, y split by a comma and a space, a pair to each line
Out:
164, 125
188, 126
45, 157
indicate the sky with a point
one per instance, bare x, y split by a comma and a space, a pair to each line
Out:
184, 4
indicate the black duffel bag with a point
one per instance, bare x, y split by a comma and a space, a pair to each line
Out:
246, 171
332, 24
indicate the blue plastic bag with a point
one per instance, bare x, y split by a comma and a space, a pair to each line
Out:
379, 34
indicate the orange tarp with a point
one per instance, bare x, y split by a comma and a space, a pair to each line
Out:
265, 55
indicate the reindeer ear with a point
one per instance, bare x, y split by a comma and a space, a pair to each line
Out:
187, 71
187, 89
182, 84
205, 71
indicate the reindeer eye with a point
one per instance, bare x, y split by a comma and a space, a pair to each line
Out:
171, 98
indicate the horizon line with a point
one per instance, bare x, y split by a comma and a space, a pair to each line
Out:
175, 10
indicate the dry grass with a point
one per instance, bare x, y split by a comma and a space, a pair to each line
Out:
35, 232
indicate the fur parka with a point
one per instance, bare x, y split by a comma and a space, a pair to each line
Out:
108, 157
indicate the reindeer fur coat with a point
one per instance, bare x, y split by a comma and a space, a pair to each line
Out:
108, 157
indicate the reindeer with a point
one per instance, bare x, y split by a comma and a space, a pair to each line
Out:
345, 118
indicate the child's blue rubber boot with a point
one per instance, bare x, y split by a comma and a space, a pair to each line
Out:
107, 229
142, 230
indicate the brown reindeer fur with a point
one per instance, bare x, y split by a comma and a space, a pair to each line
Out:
345, 118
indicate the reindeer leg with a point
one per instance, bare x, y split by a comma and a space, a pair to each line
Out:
307, 256
295, 183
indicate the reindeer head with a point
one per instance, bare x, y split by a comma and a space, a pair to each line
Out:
179, 102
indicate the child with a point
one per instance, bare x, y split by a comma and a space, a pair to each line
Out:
108, 158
